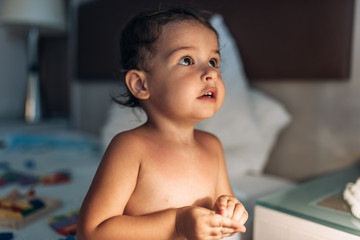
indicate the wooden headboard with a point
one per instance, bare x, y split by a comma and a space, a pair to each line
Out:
278, 39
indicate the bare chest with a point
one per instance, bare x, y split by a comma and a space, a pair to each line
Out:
169, 180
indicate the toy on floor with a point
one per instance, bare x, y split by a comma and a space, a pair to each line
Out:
22, 178
18, 210
65, 224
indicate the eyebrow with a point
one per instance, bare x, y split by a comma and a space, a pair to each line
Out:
216, 51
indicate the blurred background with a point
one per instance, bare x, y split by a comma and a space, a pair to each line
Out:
323, 136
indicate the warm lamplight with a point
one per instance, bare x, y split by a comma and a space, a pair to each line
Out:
43, 14
37, 17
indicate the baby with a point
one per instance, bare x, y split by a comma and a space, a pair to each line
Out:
165, 179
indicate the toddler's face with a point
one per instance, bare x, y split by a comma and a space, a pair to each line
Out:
184, 78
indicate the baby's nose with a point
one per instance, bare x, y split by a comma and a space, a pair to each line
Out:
210, 74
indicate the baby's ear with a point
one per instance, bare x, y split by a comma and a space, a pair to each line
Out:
136, 82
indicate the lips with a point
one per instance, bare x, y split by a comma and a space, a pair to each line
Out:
209, 94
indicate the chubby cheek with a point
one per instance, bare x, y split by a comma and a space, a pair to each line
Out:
221, 93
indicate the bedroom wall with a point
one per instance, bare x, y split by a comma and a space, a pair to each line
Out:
325, 132
87, 96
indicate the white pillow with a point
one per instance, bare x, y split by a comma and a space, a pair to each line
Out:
249, 121
119, 119
234, 119
247, 124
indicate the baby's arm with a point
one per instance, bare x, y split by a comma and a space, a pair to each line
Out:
226, 204
102, 213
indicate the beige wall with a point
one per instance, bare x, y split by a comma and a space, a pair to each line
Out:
325, 132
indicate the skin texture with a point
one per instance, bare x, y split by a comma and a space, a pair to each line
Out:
166, 180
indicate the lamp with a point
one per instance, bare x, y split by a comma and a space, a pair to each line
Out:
36, 17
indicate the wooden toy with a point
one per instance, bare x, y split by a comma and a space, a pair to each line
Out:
17, 210
65, 224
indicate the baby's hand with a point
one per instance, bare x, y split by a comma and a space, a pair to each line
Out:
198, 223
230, 207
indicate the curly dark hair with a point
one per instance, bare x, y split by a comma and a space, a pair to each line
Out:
138, 38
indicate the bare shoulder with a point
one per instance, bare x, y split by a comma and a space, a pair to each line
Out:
209, 139
132, 135
127, 140
206, 135
128, 146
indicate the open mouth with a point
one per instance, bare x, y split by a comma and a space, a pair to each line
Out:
209, 94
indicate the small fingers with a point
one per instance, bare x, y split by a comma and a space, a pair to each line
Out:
233, 216
240, 214
223, 232
236, 226
230, 207
224, 227
229, 223
226, 205
221, 204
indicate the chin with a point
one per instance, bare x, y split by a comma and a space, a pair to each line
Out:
205, 115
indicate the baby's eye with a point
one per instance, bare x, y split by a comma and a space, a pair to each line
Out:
213, 63
186, 61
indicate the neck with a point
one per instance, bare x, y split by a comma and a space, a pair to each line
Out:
172, 128
172, 132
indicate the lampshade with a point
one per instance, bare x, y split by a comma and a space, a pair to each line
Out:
46, 15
